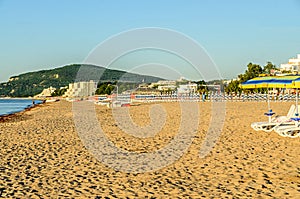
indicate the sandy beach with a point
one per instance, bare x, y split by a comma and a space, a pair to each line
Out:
42, 156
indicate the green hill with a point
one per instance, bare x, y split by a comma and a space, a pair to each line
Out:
32, 83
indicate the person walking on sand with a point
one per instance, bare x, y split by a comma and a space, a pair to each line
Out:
203, 97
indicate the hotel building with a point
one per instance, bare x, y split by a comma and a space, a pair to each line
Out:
293, 65
81, 89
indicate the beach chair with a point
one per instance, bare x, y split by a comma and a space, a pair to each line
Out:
291, 131
276, 121
288, 131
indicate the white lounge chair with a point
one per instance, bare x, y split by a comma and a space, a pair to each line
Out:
291, 131
276, 121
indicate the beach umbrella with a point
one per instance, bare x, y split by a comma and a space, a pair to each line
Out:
291, 81
283, 81
260, 82
257, 82
296, 85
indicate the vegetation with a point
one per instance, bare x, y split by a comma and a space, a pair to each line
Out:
59, 92
112, 87
105, 88
33, 83
269, 67
202, 88
253, 70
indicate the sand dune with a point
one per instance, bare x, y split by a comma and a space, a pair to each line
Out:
41, 155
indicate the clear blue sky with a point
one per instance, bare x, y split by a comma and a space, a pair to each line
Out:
45, 34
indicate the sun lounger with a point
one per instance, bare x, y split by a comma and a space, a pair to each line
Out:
288, 131
276, 121
292, 131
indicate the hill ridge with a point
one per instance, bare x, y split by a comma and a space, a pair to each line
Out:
32, 83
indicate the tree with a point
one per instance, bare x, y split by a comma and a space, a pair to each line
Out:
155, 86
59, 92
253, 70
105, 88
269, 67
202, 88
233, 86
109, 89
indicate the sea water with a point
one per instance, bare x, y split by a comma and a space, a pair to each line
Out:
10, 106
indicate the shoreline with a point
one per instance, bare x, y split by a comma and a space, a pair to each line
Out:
23, 98
9, 116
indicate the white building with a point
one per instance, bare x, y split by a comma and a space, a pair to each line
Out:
226, 82
166, 82
81, 89
187, 89
166, 87
163, 83
293, 65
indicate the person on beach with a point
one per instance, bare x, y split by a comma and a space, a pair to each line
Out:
203, 97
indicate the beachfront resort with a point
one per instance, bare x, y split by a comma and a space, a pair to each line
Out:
254, 140
183, 89
277, 85
150, 99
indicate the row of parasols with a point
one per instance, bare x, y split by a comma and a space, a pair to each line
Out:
284, 128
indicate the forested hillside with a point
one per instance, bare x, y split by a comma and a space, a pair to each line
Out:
32, 83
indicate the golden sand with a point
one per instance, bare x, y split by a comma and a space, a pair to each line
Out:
41, 155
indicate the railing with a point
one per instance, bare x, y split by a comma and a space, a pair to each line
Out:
215, 97
199, 98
